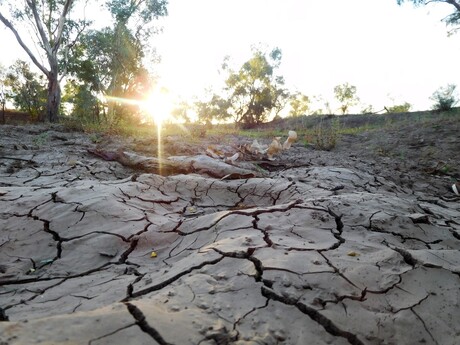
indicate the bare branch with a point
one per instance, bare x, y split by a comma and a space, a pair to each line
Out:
46, 43
62, 18
23, 45
454, 3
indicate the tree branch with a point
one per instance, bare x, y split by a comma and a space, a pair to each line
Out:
454, 3
23, 45
41, 31
65, 11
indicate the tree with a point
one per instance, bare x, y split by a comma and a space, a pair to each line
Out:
253, 91
85, 107
26, 89
110, 61
445, 97
300, 104
216, 108
55, 34
452, 20
346, 95
3, 95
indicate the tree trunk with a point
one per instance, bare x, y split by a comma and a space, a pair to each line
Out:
54, 98
3, 112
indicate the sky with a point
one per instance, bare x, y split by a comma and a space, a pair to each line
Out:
392, 54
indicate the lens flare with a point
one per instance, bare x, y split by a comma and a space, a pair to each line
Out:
158, 106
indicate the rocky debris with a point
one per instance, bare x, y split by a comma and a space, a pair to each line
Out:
94, 251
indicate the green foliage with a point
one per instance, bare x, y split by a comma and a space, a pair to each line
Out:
325, 135
399, 108
251, 93
346, 95
41, 139
85, 106
146, 11
54, 33
216, 108
300, 104
445, 98
26, 89
110, 62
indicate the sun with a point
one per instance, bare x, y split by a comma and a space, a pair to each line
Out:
158, 105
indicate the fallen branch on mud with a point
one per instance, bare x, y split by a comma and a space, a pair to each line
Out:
200, 164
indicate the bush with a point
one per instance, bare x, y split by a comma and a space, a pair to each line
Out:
445, 98
399, 108
326, 135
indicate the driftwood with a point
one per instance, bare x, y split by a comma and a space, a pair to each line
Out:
179, 165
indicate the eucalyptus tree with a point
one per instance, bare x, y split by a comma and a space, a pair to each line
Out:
299, 103
346, 95
111, 60
53, 32
452, 19
56, 33
250, 93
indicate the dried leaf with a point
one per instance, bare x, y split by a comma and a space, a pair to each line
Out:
455, 188
274, 148
257, 148
214, 153
232, 159
292, 137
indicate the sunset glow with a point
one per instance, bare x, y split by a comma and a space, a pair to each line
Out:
158, 106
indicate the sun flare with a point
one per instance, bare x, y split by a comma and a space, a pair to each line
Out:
159, 105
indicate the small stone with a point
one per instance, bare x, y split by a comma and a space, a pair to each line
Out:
418, 218
174, 308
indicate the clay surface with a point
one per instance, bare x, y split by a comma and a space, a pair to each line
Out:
315, 247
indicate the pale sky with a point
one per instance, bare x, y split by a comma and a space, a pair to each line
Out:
391, 53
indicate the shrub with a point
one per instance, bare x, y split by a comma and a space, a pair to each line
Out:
326, 135
399, 108
445, 98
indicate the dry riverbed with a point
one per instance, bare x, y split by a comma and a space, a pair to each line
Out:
357, 245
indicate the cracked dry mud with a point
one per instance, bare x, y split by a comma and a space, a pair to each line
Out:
334, 248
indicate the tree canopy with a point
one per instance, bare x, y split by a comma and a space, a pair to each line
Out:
64, 43
250, 93
452, 20
299, 103
346, 95
55, 34
27, 88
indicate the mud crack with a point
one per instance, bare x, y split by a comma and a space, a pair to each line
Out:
170, 280
316, 316
143, 324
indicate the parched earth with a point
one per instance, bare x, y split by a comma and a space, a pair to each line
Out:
359, 245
